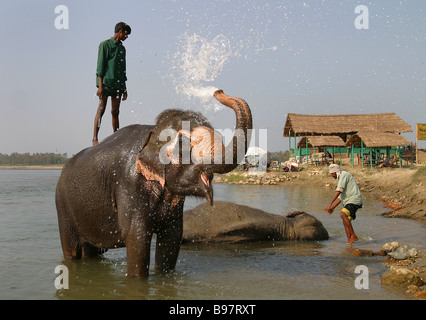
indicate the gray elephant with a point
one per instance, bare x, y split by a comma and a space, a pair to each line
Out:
229, 222
134, 184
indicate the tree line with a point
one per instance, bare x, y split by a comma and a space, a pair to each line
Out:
35, 159
280, 156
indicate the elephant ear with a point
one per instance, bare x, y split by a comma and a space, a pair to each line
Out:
147, 162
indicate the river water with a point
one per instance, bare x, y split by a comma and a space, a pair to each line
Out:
30, 251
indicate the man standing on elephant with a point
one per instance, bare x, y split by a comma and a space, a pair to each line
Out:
348, 193
111, 76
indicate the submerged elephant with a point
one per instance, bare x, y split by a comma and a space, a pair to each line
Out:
134, 185
229, 222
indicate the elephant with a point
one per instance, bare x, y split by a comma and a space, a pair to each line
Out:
226, 222
134, 184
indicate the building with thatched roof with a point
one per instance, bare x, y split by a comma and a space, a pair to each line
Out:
342, 124
376, 139
311, 144
369, 141
321, 141
377, 130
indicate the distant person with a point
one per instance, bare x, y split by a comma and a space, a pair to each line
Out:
348, 193
328, 157
111, 76
387, 162
292, 165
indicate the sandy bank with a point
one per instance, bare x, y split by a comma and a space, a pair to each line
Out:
402, 190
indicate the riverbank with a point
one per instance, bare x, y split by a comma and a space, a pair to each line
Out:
44, 167
402, 190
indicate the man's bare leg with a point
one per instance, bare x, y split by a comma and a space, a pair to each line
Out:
350, 233
115, 111
98, 119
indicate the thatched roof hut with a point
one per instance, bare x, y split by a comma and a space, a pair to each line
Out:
342, 124
376, 139
321, 141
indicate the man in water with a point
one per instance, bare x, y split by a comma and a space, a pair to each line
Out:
111, 76
348, 193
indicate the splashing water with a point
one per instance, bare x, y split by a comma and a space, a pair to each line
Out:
197, 63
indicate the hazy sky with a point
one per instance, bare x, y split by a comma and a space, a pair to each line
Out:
280, 56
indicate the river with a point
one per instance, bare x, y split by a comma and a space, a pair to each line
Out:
30, 251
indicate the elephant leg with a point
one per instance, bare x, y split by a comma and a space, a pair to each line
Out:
167, 249
138, 245
69, 237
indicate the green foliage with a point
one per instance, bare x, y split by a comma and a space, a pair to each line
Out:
235, 177
36, 159
280, 156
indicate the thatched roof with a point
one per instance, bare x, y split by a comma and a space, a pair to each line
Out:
321, 141
306, 125
376, 139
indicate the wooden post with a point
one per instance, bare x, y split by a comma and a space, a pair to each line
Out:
371, 158
362, 153
315, 157
400, 157
417, 144
295, 145
306, 150
300, 155
289, 143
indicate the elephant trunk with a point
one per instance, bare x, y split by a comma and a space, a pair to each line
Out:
235, 151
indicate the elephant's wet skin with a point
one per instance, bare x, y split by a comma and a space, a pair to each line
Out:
134, 184
230, 223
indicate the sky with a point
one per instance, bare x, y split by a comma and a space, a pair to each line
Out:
282, 56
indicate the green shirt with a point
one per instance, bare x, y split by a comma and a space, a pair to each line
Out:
349, 189
112, 64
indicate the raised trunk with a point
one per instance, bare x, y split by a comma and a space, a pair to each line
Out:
235, 151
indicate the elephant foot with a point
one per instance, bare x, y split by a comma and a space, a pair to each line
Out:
91, 251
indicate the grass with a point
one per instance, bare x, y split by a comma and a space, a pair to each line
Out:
419, 175
235, 177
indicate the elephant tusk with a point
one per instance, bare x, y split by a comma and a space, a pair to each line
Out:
205, 179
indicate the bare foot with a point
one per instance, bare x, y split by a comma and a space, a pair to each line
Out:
352, 240
95, 142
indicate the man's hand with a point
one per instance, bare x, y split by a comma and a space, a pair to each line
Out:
100, 92
329, 211
124, 96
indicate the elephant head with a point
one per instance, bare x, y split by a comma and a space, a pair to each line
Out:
183, 151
